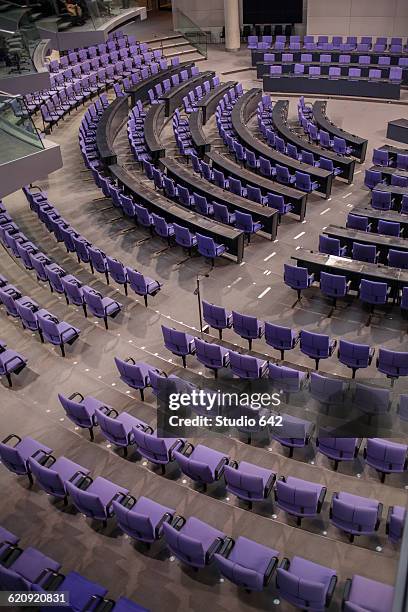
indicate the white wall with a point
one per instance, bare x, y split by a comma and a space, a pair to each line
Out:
358, 17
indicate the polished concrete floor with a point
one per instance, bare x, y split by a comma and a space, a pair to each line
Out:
152, 577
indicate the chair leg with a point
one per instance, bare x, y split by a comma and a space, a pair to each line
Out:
351, 538
145, 300
107, 276
336, 465
250, 344
125, 451
383, 474
65, 500
126, 288
106, 322
91, 434
291, 451
10, 382
354, 372
92, 268
215, 373
317, 363
183, 357
163, 469
30, 478
141, 391
282, 352
220, 334
250, 505
62, 347
299, 521
85, 311
41, 335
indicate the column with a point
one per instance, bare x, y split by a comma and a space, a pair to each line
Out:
232, 29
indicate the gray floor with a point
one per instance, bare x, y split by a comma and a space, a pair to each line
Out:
31, 407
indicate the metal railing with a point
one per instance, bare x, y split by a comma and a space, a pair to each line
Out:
400, 603
192, 32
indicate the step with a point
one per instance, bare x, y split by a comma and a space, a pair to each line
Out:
177, 45
185, 55
158, 39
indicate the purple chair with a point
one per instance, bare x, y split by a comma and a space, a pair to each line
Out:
247, 563
16, 457
304, 182
372, 400
373, 293
159, 451
82, 412
275, 71
364, 252
57, 332
94, 498
7, 541
365, 595
278, 202
201, 463
314, 72
381, 157
395, 74
118, 428
334, 286
135, 374
395, 522
142, 519
385, 456
101, 307
297, 278
248, 481
326, 390
280, 338
207, 247
331, 246
247, 327
28, 572
211, 355
338, 449
358, 222
217, 317
193, 541
316, 346
178, 342
246, 366
286, 379
51, 475
354, 73
355, 356
354, 514
392, 363
141, 284
299, 498
118, 272
305, 584
293, 433
372, 178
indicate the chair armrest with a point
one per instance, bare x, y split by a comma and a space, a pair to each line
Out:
66, 331
90, 605
346, 592
108, 412
178, 522
188, 449
85, 479
330, 590
321, 498
130, 360
269, 484
215, 547
387, 524
174, 446
379, 514
10, 437
284, 564
227, 546
166, 518
272, 565
220, 467
358, 446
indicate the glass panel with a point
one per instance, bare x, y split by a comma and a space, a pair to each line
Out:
192, 32
18, 134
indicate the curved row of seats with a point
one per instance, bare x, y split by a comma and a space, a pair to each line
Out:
279, 172
58, 280
319, 136
374, 74
86, 252
322, 43
326, 391
316, 346
36, 319
382, 157
191, 540
374, 177
345, 59
30, 570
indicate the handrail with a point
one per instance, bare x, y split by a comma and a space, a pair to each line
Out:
192, 32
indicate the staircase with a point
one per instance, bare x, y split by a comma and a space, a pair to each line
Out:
176, 44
